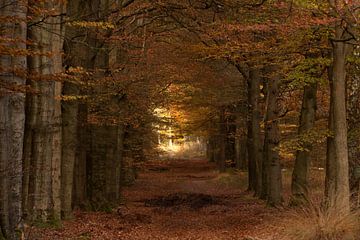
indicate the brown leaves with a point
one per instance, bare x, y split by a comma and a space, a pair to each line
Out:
239, 216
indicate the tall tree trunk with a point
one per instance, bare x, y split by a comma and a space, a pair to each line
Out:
12, 116
44, 122
69, 149
222, 141
353, 133
299, 184
80, 168
241, 137
212, 148
337, 175
253, 134
272, 167
75, 57
230, 133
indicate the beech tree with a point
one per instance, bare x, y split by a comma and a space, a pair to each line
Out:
42, 145
13, 66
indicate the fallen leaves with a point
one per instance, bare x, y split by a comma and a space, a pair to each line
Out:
187, 202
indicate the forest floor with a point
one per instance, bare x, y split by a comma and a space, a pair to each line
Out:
178, 199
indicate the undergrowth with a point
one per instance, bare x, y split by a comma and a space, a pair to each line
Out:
319, 223
232, 179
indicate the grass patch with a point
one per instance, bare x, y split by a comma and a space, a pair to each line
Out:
319, 223
51, 223
232, 178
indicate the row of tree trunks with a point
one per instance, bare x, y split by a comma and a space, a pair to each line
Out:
228, 145
247, 141
92, 163
264, 166
12, 117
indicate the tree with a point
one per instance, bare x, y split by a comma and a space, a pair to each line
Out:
272, 177
299, 184
337, 175
42, 145
13, 66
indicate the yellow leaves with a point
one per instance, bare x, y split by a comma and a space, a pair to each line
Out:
79, 70
71, 97
311, 4
304, 142
88, 24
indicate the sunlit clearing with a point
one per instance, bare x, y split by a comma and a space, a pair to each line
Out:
170, 147
172, 141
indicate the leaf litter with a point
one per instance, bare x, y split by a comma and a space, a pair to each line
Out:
188, 201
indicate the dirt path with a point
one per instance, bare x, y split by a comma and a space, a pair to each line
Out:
179, 199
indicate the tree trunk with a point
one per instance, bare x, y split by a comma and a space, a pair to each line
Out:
12, 117
272, 182
300, 185
353, 105
69, 149
337, 175
253, 134
241, 138
44, 118
80, 169
222, 141
75, 57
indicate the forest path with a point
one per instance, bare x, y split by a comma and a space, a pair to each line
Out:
179, 199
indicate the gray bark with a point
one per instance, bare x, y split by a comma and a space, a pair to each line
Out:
42, 195
12, 119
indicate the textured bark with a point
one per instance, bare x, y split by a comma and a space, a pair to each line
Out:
76, 136
80, 169
75, 57
12, 119
69, 149
241, 157
353, 105
42, 196
253, 134
106, 158
337, 175
300, 184
272, 167
105, 153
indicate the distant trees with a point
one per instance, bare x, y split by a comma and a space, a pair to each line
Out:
266, 43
